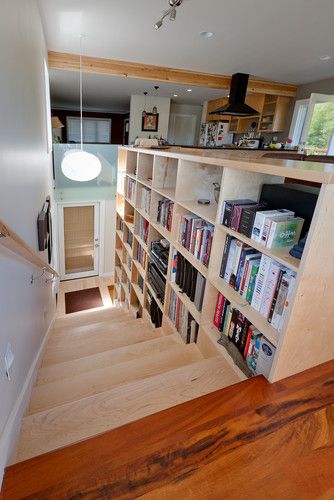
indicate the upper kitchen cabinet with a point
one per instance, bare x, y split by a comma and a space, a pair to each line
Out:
212, 106
274, 113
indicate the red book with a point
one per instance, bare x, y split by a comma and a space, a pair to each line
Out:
249, 336
218, 310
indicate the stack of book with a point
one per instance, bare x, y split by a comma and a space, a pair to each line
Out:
145, 201
143, 229
256, 350
273, 228
182, 319
131, 189
262, 281
165, 213
196, 236
141, 256
190, 281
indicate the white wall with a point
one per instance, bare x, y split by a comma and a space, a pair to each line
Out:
137, 105
25, 310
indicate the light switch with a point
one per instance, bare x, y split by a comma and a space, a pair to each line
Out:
9, 358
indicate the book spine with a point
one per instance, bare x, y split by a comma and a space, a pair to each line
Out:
269, 289
292, 283
227, 214
257, 226
260, 282
273, 304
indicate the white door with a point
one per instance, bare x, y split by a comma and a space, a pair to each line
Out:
182, 129
79, 239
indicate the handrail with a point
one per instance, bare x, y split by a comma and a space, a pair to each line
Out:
10, 240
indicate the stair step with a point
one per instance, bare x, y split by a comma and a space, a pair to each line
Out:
80, 333
87, 317
72, 368
75, 421
87, 384
132, 333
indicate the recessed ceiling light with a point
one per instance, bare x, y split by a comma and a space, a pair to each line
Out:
325, 58
175, 95
207, 34
189, 90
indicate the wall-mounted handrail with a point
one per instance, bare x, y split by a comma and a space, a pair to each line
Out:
10, 240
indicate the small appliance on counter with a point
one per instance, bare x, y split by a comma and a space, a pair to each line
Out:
251, 143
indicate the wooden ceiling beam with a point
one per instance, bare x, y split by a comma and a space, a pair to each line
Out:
70, 62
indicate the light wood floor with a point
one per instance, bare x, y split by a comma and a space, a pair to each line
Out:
82, 284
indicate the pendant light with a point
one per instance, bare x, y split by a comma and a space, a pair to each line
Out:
144, 111
77, 164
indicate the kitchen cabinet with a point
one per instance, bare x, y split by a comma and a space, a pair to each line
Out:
212, 106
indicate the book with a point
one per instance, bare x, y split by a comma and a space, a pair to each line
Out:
246, 272
226, 250
246, 251
253, 349
284, 234
253, 272
236, 215
218, 310
260, 219
270, 287
234, 266
243, 336
278, 285
292, 284
248, 216
265, 357
233, 323
260, 282
227, 320
200, 289
238, 328
228, 208
283, 297
230, 260
223, 318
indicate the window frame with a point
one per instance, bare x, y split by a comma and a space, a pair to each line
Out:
88, 118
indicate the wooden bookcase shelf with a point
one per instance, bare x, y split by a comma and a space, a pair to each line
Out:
182, 177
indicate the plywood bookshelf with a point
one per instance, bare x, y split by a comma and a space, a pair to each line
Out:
307, 336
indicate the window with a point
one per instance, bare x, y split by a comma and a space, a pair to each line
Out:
95, 130
313, 124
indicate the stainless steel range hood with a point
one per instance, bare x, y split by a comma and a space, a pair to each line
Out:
236, 104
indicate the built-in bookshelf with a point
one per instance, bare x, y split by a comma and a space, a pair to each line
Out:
157, 199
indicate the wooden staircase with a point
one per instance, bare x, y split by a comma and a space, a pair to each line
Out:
103, 369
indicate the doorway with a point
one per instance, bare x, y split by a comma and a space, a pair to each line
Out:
182, 129
79, 239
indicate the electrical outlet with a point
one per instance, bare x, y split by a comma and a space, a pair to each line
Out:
9, 359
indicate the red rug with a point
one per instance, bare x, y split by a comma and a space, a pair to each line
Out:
82, 300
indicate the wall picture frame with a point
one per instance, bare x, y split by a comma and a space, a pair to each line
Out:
150, 122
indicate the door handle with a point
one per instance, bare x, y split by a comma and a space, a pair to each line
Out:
97, 245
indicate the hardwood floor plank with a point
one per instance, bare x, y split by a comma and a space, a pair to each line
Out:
290, 454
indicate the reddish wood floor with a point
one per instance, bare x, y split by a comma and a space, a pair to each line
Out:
249, 441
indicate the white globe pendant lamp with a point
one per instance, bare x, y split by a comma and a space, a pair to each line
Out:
77, 164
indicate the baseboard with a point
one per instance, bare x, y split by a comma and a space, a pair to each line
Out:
10, 434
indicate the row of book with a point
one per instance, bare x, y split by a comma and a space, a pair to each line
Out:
196, 236
278, 228
129, 238
182, 319
256, 350
262, 281
145, 199
131, 190
143, 227
141, 256
190, 281
165, 213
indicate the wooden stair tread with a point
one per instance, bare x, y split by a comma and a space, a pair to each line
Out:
87, 317
92, 344
73, 422
103, 379
85, 364
85, 332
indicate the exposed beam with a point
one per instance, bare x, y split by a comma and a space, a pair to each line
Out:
111, 67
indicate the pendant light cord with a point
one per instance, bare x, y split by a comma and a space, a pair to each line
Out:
81, 126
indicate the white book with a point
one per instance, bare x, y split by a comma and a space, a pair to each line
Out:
292, 284
260, 218
269, 290
260, 282
281, 300
268, 223
265, 357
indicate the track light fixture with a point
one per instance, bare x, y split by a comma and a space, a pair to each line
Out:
171, 12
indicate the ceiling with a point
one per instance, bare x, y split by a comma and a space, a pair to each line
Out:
112, 94
279, 40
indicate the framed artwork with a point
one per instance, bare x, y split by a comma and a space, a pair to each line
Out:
150, 122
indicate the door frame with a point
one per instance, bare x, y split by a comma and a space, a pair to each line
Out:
314, 99
100, 214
